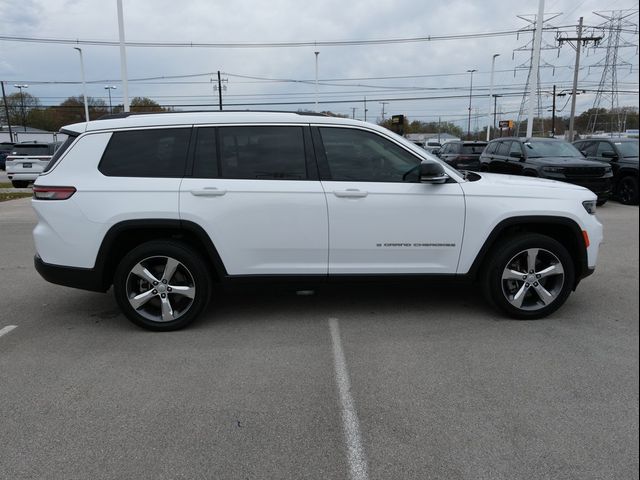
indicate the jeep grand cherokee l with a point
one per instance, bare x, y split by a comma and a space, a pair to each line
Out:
547, 158
162, 205
622, 155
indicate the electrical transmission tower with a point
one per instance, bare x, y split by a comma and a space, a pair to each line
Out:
528, 47
615, 25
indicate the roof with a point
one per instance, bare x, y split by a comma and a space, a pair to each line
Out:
204, 118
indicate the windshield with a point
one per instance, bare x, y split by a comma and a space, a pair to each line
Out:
550, 148
42, 149
628, 149
473, 149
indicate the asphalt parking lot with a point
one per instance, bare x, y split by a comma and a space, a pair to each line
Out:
378, 382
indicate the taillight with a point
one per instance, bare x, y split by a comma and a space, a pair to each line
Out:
52, 193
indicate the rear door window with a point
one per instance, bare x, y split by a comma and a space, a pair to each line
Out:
146, 153
503, 149
262, 153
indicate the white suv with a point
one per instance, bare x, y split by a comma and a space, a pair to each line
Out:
162, 205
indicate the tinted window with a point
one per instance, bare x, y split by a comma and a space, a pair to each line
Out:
472, 149
503, 148
454, 148
262, 153
42, 149
491, 148
515, 148
366, 157
550, 148
589, 148
146, 153
604, 147
63, 148
206, 159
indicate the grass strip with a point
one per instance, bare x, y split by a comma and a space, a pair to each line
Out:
4, 197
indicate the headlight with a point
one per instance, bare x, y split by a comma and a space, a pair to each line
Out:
590, 206
553, 169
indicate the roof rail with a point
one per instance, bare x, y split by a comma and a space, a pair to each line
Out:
110, 116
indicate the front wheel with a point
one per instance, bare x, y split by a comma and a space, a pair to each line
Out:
628, 190
162, 285
529, 276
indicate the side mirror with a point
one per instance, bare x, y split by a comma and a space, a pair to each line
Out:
436, 152
432, 172
611, 155
584, 154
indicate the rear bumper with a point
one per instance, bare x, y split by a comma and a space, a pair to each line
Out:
82, 278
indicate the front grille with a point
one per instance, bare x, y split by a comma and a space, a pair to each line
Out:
584, 171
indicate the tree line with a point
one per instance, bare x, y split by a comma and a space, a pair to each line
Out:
25, 109
617, 119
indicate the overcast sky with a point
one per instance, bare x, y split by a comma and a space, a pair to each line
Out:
348, 73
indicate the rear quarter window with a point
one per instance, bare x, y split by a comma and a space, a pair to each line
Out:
146, 153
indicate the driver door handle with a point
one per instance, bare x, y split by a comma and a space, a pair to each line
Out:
350, 193
208, 192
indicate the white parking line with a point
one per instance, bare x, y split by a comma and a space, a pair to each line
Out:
7, 329
356, 457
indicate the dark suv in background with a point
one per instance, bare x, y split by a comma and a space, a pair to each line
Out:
462, 155
547, 158
5, 149
622, 155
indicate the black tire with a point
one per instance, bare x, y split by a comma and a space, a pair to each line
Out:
163, 304
511, 256
20, 183
627, 191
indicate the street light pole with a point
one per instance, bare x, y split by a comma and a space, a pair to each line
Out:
493, 64
109, 88
84, 85
470, 95
317, 53
24, 118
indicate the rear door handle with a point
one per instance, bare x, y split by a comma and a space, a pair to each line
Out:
208, 192
350, 193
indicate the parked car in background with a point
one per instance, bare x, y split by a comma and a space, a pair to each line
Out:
27, 160
5, 149
622, 155
462, 155
547, 158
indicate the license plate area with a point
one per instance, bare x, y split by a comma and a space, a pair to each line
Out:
27, 165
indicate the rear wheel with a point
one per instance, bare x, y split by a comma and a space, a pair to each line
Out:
162, 285
529, 276
627, 191
20, 183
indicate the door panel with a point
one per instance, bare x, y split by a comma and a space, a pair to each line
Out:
394, 227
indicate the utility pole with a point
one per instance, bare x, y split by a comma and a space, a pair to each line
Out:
383, 104
365, 109
580, 40
123, 58
24, 117
535, 66
553, 113
316, 53
6, 111
493, 64
470, 95
219, 91
353, 112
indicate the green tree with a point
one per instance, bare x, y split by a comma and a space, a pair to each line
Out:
15, 102
145, 104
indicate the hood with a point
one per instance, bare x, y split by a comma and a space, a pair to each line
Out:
564, 161
499, 185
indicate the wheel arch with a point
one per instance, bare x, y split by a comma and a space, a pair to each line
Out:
564, 230
126, 235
